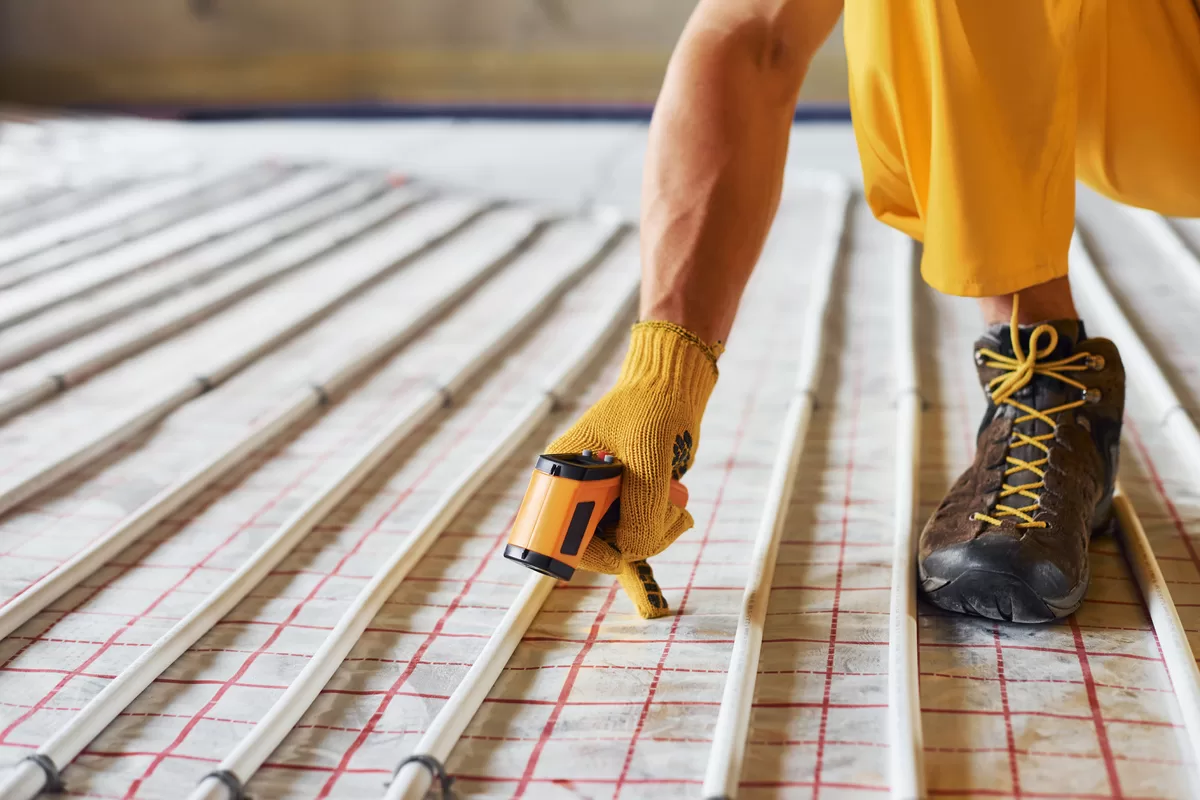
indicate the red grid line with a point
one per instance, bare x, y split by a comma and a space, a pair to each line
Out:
1026, 751
94, 478
852, 441
564, 693
739, 435
120, 754
979, 792
1160, 488
1080, 651
1096, 716
680, 703
1047, 681
568, 640
55, 517
1114, 780
299, 607
394, 690
1014, 771
191, 569
70, 675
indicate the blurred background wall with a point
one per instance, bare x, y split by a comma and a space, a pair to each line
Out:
190, 53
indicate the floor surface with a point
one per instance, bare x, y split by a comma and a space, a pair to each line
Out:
595, 702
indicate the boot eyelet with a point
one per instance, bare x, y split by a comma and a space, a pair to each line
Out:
979, 357
1092, 396
1095, 362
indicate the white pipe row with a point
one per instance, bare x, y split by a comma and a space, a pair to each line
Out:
907, 747
729, 737
287, 711
1172, 245
192, 268
413, 780
92, 218
357, 268
904, 699
494, 240
1172, 636
56, 201
1102, 306
175, 315
224, 188
28, 779
19, 202
1143, 371
34, 297
1168, 627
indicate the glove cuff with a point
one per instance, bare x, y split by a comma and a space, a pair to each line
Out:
672, 356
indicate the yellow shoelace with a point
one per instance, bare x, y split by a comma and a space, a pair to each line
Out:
1019, 371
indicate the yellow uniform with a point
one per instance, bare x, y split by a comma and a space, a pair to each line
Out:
974, 117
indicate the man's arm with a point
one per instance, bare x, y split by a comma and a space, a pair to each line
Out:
718, 143
713, 176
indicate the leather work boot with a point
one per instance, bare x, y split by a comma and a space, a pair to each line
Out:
1010, 539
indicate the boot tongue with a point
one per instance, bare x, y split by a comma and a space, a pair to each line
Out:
1070, 334
1042, 392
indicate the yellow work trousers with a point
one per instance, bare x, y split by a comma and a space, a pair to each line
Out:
974, 117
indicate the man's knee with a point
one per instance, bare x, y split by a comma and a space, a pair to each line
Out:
1163, 178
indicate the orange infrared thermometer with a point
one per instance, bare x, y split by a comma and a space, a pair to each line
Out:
570, 497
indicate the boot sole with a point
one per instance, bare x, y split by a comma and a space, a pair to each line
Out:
987, 584
1001, 596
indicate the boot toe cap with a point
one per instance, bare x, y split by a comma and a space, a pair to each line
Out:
1003, 577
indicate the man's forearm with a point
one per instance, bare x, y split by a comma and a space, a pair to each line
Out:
718, 144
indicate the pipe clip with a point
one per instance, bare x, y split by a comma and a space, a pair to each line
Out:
436, 769
912, 391
811, 394
54, 781
321, 392
237, 790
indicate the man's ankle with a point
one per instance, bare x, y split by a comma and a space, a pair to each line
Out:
1041, 303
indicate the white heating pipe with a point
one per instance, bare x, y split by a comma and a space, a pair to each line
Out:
412, 780
60, 200
360, 271
28, 778
22, 206
1172, 636
252, 751
1169, 242
94, 217
907, 748
195, 306
225, 188
32, 298
182, 272
1093, 294
507, 233
733, 720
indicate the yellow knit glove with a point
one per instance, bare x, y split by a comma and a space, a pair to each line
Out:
650, 420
